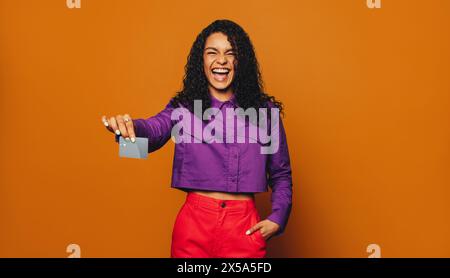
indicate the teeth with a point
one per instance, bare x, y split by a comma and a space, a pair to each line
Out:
220, 70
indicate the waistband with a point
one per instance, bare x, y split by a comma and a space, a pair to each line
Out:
210, 203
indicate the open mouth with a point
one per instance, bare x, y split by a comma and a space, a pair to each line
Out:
220, 74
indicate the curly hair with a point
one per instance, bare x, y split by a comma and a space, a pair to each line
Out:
247, 84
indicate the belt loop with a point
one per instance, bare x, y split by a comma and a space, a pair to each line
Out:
251, 205
193, 199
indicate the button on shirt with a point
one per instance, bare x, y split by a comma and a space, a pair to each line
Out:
225, 167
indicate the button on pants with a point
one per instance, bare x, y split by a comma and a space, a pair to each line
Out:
206, 227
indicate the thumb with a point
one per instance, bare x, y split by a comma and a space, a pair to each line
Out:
256, 227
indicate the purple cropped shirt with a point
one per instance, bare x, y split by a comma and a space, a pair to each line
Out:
225, 167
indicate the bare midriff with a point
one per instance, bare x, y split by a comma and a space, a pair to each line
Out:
225, 195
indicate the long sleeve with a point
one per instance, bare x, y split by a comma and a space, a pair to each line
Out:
156, 128
280, 181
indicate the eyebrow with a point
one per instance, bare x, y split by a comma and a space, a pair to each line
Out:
213, 48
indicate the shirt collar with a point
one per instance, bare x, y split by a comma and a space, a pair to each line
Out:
219, 104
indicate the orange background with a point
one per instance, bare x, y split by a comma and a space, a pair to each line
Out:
366, 93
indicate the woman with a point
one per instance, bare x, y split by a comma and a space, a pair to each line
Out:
219, 217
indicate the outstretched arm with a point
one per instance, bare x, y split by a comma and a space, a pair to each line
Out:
156, 128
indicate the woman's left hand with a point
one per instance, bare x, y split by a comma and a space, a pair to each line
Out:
266, 227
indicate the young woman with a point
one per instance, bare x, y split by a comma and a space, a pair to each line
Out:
219, 217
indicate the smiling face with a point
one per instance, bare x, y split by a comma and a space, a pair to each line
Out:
219, 62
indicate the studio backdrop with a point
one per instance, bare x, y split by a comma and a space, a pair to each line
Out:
365, 85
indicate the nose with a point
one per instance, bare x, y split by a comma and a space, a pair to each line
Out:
222, 59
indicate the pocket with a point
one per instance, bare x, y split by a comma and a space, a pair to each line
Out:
260, 237
257, 236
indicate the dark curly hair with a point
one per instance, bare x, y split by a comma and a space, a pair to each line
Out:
247, 84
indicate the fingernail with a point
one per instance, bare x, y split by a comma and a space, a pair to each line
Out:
106, 123
133, 139
247, 232
128, 139
117, 132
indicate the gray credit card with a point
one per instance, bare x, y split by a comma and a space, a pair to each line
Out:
138, 149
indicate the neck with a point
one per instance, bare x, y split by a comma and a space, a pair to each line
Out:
221, 95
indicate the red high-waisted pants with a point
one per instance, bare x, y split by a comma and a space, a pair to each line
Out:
206, 227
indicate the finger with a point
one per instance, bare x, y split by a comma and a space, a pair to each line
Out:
106, 123
256, 227
122, 127
113, 124
263, 233
130, 127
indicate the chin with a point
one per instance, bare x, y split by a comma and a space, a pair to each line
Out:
220, 88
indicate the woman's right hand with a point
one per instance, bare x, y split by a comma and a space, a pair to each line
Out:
121, 125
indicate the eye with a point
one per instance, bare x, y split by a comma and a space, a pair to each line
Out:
210, 53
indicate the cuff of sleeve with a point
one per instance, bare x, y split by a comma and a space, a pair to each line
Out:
139, 128
281, 219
